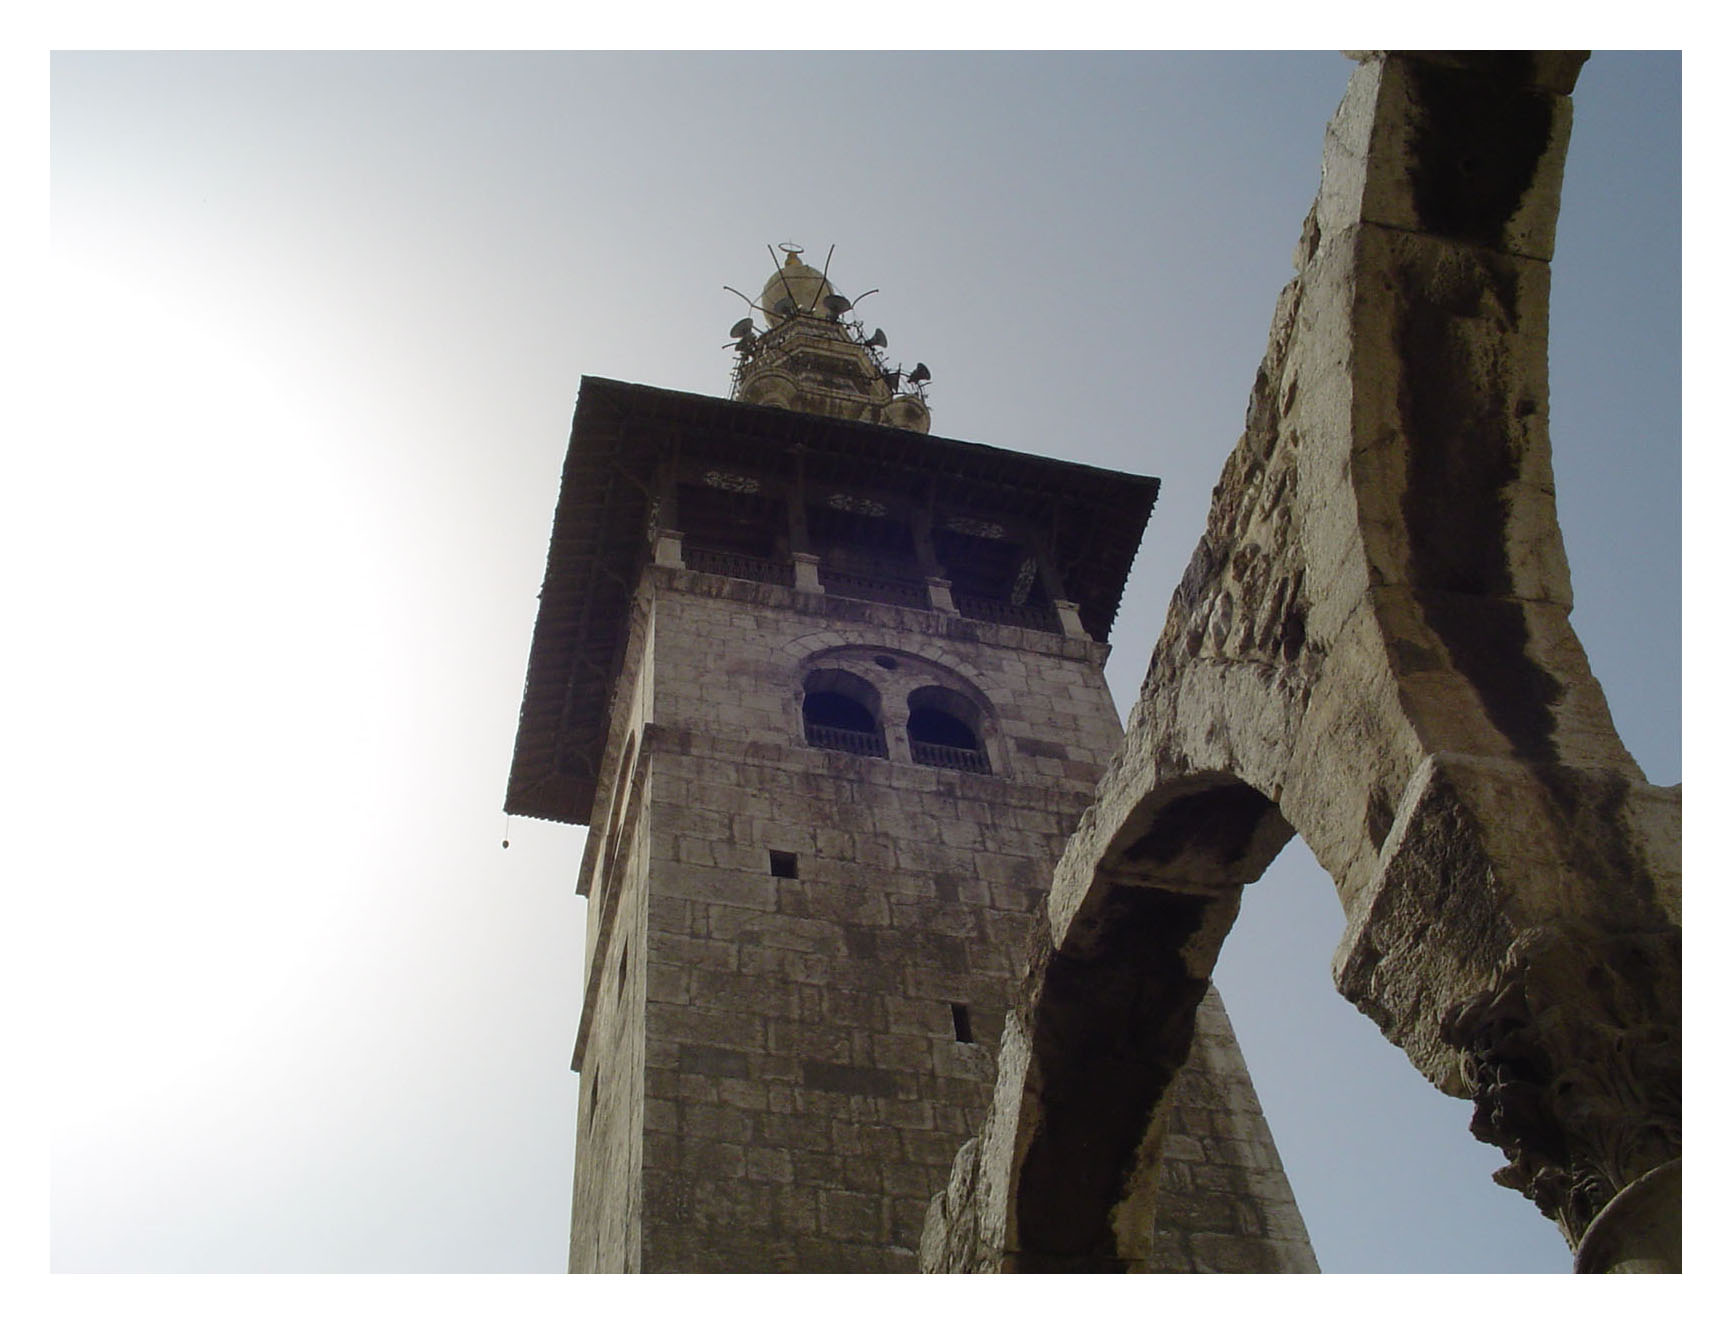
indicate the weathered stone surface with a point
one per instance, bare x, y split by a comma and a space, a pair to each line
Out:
1370, 647
776, 1076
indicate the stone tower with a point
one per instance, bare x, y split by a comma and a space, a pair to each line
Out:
828, 693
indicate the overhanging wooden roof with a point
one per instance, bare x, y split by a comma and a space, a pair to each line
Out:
620, 436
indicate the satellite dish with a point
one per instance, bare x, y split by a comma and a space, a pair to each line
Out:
837, 304
741, 329
879, 339
920, 374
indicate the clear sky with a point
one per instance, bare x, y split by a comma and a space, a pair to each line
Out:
319, 324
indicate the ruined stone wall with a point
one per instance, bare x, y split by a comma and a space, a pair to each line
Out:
1371, 646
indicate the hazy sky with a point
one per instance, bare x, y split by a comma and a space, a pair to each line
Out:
319, 323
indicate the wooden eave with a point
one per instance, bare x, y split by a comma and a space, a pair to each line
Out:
622, 434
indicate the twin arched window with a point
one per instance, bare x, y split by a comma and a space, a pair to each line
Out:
843, 712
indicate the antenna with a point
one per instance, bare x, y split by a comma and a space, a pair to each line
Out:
731, 290
825, 276
792, 250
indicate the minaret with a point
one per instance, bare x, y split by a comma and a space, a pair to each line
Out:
828, 693
813, 358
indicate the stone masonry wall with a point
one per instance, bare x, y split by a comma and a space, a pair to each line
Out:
609, 1165
1223, 1204
804, 1083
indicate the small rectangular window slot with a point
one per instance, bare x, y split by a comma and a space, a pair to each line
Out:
784, 864
959, 1019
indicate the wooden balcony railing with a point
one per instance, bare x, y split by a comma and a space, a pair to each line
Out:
896, 591
737, 565
1029, 615
949, 756
867, 743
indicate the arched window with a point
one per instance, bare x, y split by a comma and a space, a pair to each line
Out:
944, 731
841, 713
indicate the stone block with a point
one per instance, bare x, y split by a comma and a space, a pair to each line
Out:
902, 1052
1212, 1252
661, 1115
911, 1181
667, 983
932, 1150
772, 1166
715, 1159
714, 1122
796, 967
818, 1172
863, 976
695, 1089
694, 880
872, 1143
746, 1095
854, 1009
840, 1078
1198, 1212
907, 1216
795, 1131
696, 1026
852, 1216
668, 914
794, 1209
687, 953
825, 1043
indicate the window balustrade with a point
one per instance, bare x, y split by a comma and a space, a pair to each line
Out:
868, 743
995, 611
737, 565
949, 756
893, 590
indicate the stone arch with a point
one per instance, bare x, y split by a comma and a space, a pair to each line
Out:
947, 729
842, 711
809, 649
1087, 1064
1373, 633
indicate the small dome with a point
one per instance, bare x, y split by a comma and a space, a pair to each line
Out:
799, 284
